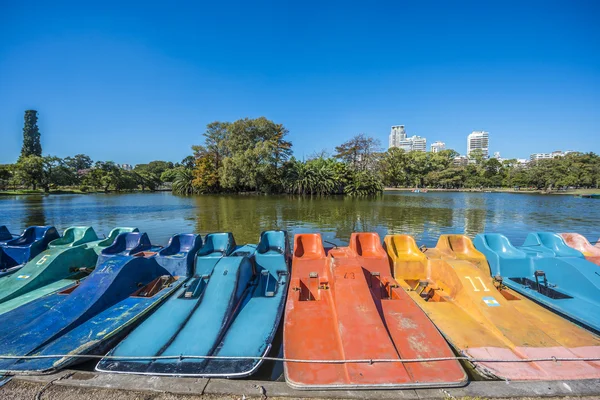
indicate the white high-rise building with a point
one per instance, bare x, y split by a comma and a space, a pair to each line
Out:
478, 140
418, 143
438, 146
398, 139
397, 135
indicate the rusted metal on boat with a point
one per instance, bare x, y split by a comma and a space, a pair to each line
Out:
345, 305
484, 319
579, 242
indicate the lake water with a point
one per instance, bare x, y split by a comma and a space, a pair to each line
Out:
424, 215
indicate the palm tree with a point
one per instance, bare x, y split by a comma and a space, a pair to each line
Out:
182, 184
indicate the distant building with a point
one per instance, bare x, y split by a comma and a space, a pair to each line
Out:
418, 143
126, 167
497, 155
438, 146
547, 156
398, 139
461, 161
478, 140
397, 135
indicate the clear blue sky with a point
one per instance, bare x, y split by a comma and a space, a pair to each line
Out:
139, 82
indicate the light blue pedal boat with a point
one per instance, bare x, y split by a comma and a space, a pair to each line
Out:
231, 307
549, 272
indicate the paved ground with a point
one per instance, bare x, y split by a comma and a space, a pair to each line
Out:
19, 390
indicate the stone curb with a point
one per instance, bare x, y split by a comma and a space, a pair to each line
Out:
249, 388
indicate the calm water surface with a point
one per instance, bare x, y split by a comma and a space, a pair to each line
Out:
425, 215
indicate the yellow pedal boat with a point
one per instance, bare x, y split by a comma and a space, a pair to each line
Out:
484, 320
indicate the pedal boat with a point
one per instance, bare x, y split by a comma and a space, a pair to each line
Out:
483, 319
547, 271
579, 242
132, 278
231, 307
68, 259
15, 252
344, 305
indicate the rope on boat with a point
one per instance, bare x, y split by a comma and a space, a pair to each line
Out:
303, 361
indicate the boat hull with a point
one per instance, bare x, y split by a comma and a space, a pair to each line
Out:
345, 306
485, 320
549, 272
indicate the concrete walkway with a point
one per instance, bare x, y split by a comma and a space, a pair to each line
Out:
223, 388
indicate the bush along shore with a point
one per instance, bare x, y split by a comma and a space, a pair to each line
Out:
254, 155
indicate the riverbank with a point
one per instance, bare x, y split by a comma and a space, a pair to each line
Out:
25, 192
572, 192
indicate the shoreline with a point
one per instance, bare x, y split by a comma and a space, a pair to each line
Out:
573, 192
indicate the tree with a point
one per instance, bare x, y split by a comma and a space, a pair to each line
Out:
206, 176
78, 162
358, 152
6, 174
31, 135
183, 183
30, 170
55, 173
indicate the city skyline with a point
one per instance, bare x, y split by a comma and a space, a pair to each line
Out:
110, 81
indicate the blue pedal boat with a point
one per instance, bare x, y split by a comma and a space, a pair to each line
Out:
132, 278
67, 260
15, 252
549, 272
231, 307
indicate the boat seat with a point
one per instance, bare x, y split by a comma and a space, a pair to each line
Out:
5, 234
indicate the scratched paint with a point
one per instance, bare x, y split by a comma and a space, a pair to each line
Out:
450, 286
360, 314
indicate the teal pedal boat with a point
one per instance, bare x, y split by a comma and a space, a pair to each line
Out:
60, 329
227, 311
67, 260
15, 252
548, 271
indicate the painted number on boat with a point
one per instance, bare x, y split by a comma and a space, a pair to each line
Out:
485, 289
491, 302
349, 275
42, 260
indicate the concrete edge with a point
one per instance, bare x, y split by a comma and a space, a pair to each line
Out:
251, 388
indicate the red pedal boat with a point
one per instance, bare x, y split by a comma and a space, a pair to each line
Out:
345, 305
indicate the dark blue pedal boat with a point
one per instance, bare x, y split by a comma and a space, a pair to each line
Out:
131, 279
15, 252
231, 307
549, 272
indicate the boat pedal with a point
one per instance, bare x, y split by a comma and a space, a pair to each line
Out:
269, 294
313, 275
421, 285
375, 273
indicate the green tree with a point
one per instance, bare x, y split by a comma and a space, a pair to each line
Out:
358, 152
32, 145
78, 162
184, 182
30, 170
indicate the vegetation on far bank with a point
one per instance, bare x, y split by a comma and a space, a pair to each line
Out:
254, 155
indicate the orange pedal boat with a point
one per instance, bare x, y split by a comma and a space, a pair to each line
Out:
579, 242
345, 305
484, 320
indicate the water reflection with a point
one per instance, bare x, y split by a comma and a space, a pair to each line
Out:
425, 216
